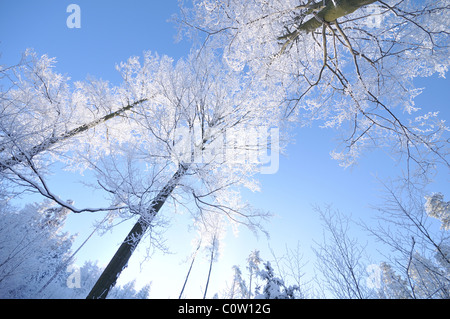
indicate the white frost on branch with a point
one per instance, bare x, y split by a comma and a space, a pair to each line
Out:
348, 73
436, 207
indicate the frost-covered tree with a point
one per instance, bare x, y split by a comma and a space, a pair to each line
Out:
416, 267
253, 262
211, 230
165, 122
36, 260
213, 251
238, 289
340, 258
196, 130
422, 279
436, 207
90, 271
392, 286
290, 267
349, 64
32, 247
197, 140
193, 256
419, 264
78, 288
43, 117
187, 124
274, 287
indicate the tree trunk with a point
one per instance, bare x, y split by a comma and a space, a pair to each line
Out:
213, 248
333, 10
120, 260
53, 140
190, 268
329, 11
250, 284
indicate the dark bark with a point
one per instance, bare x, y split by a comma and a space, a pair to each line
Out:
53, 140
120, 259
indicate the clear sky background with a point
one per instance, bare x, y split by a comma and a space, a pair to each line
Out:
111, 32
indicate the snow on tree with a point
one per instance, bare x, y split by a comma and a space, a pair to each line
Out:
211, 228
419, 263
274, 287
238, 289
196, 130
253, 262
429, 277
393, 285
33, 248
419, 277
423, 279
166, 121
196, 141
415, 254
193, 256
43, 118
340, 258
436, 207
349, 64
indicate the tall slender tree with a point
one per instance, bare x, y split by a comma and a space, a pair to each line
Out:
196, 125
194, 255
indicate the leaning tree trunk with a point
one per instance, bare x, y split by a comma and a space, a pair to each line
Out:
326, 11
120, 259
332, 11
53, 140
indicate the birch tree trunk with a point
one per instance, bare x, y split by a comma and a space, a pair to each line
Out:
53, 140
120, 259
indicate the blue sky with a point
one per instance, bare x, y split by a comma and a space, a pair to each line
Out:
112, 31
